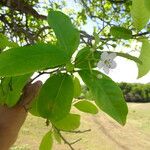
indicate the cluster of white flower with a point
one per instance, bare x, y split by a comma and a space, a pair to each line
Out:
107, 61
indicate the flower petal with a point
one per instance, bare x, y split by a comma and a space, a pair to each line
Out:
104, 55
106, 70
113, 65
112, 55
100, 64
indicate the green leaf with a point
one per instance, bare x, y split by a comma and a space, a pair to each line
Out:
4, 42
34, 108
130, 57
108, 96
57, 136
4, 89
69, 123
147, 5
121, 32
77, 87
69, 67
86, 58
23, 60
67, 35
139, 14
144, 68
12, 89
47, 142
56, 96
86, 106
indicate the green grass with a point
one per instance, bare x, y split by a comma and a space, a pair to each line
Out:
106, 134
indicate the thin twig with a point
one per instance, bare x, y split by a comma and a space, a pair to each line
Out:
79, 131
41, 73
76, 141
65, 141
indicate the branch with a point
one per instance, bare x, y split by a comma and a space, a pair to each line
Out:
22, 6
141, 34
79, 131
65, 141
76, 141
118, 2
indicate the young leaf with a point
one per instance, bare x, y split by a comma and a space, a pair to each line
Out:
56, 96
47, 142
69, 123
67, 36
77, 87
121, 33
144, 68
86, 106
86, 57
23, 60
139, 14
107, 95
12, 89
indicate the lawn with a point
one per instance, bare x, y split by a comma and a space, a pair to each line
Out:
105, 133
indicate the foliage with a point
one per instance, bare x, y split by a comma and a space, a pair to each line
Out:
136, 92
56, 47
133, 92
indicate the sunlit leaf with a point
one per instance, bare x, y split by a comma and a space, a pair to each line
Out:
34, 108
86, 106
121, 32
108, 96
4, 42
11, 89
139, 14
70, 122
56, 96
47, 142
130, 57
144, 68
67, 35
22, 60
77, 87
147, 5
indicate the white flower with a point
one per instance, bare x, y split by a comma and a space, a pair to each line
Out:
107, 62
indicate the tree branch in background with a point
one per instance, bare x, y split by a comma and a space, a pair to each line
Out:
22, 6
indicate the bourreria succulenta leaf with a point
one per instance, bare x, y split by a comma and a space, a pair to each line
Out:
77, 87
70, 122
121, 32
67, 35
47, 142
107, 95
11, 89
140, 14
144, 68
86, 106
56, 96
23, 60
